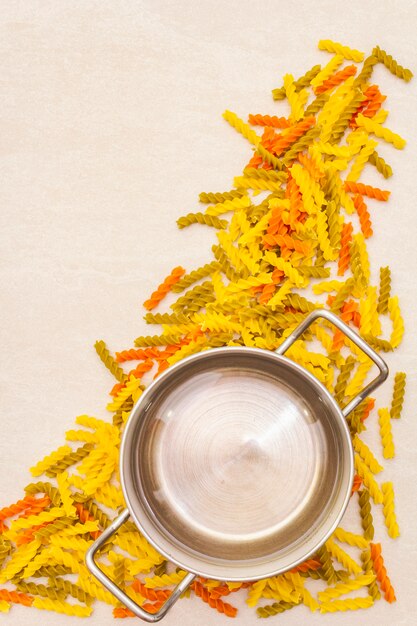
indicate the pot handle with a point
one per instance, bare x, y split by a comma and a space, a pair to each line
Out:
353, 336
119, 593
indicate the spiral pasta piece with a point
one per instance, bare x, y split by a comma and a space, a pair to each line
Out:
381, 165
381, 572
170, 280
165, 580
201, 218
295, 98
343, 378
131, 390
350, 538
192, 300
317, 104
313, 271
110, 496
231, 205
88, 526
379, 344
364, 217
69, 588
281, 588
275, 608
269, 158
334, 227
346, 605
154, 318
384, 289
327, 565
361, 159
328, 70
90, 511
327, 286
368, 568
17, 507
312, 194
366, 71
70, 543
300, 145
109, 361
312, 163
194, 276
69, 459
216, 197
49, 460
289, 270
352, 105
385, 430
16, 597
336, 79
366, 455
59, 606
268, 120
50, 571
257, 183
308, 600
343, 557
373, 102
81, 435
367, 190
368, 480
5, 549
46, 530
290, 136
398, 395
66, 496
397, 321
391, 64
333, 109
255, 592
241, 127
303, 81
389, 511
40, 590
135, 541
309, 564
365, 309
380, 131
360, 261
33, 520
347, 53
19, 559
267, 175
357, 383
342, 588
219, 605
155, 595
300, 303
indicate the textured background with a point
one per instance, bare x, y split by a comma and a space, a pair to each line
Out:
111, 124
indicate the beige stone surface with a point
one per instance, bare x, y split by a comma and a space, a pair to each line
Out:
110, 125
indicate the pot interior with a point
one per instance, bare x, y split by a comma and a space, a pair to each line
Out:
236, 463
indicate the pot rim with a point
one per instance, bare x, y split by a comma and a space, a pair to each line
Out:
135, 416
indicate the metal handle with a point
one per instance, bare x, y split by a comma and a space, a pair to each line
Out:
353, 336
119, 593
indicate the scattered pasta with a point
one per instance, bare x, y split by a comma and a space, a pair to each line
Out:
286, 231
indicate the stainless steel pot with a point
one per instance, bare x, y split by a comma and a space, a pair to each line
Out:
236, 464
